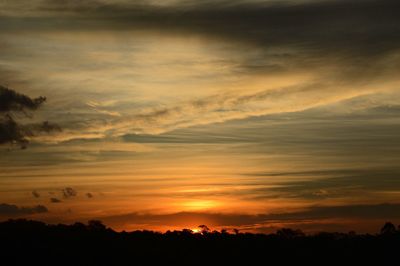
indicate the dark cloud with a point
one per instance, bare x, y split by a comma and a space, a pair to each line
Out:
11, 131
47, 127
354, 38
334, 183
311, 22
35, 194
11, 100
380, 211
14, 210
69, 192
89, 195
180, 138
356, 31
55, 200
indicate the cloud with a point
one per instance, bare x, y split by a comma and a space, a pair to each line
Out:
312, 33
89, 195
336, 216
239, 105
213, 109
11, 131
14, 210
55, 200
11, 100
318, 26
351, 47
45, 127
69, 192
35, 194
379, 211
329, 183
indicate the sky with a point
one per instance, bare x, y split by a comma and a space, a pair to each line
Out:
165, 115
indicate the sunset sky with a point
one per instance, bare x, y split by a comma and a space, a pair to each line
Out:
248, 114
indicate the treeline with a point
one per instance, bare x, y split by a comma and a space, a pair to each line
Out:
25, 242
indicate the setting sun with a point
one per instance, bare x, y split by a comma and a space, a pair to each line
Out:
196, 230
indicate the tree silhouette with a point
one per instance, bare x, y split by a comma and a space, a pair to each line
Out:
289, 233
388, 229
25, 242
204, 229
96, 225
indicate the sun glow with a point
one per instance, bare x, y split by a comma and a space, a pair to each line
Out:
197, 205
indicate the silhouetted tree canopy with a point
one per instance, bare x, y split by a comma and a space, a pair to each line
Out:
25, 242
388, 229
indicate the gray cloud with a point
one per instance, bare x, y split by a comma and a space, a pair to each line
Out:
335, 183
69, 192
11, 132
320, 26
11, 100
35, 194
55, 200
352, 31
14, 210
379, 211
12, 103
341, 41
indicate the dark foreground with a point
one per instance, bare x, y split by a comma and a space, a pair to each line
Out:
34, 243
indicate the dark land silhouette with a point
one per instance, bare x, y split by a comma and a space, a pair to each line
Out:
26, 242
